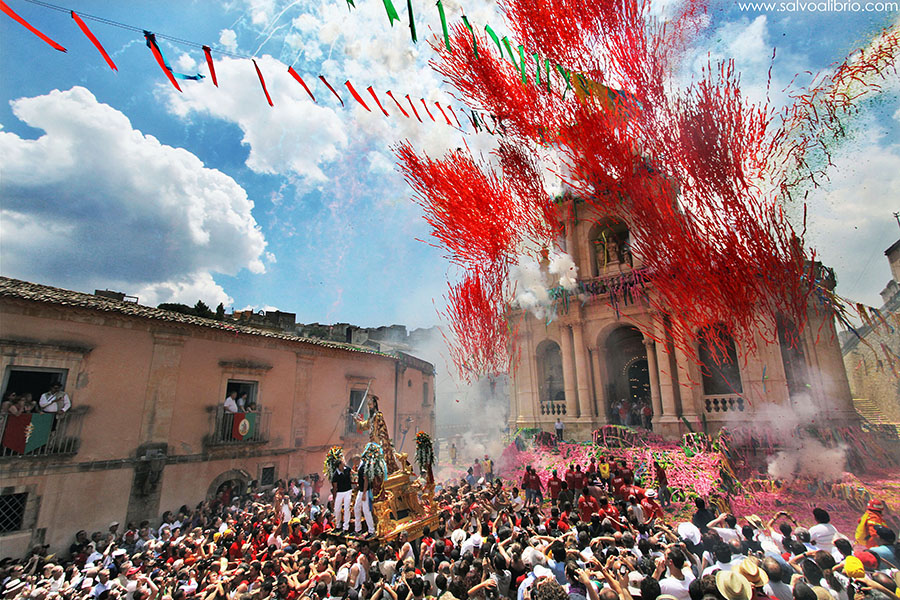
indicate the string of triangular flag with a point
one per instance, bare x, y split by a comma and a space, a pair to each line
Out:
477, 120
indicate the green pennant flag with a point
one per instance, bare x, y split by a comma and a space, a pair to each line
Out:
547, 72
444, 25
537, 59
565, 75
472, 31
512, 56
350, 4
494, 37
522, 63
412, 22
391, 12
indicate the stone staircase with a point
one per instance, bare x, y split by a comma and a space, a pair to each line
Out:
869, 411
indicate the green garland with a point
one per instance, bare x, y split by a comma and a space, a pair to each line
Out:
373, 462
424, 451
332, 461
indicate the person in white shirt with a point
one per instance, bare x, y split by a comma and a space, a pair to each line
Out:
55, 401
679, 579
822, 534
230, 404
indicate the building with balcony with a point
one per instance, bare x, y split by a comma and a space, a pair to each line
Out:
147, 431
595, 364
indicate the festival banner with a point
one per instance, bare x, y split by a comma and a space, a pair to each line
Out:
24, 433
244, 426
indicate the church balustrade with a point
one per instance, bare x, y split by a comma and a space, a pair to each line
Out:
553, 408
724, 403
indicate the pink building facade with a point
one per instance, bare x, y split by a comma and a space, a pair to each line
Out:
147, 432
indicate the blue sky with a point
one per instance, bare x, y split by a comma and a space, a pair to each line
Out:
115, 180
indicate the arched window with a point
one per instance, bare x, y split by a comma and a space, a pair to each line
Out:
550, 372
610, 244
718, 361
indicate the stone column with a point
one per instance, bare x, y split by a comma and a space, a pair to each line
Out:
581, 372
599, 358
691, 384
565, 348
655, 399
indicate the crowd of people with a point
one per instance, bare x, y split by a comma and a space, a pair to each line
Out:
54, 400
590, 533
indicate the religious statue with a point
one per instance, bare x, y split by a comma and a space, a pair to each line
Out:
378, 433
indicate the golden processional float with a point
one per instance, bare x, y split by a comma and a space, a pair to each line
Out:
402, 502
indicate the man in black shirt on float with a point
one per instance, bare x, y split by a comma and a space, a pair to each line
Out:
341, 489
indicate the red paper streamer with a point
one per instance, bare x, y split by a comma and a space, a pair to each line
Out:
151, 39
12, 14
94, 40
405, 114
453, 112
296, 76
262, 82
413, 107
212, 67
374, 97
328, 85
356, 96
426, 108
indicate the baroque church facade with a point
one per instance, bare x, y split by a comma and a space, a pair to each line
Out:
594, 364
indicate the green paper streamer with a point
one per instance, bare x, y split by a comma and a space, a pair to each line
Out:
350, 4
391, 11
565, 75
512, 56
494, 37
537, 59
412, 21
444, 25
547, 73
522, 63
472, 31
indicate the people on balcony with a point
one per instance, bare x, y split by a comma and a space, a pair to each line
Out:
231, 405
56, 400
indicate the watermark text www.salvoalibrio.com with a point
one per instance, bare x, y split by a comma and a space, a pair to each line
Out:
821, 6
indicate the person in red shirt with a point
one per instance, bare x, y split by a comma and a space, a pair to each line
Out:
296, 537
569, 476
617, 483
652, 509
579, 481
554, 485
609, 511
587, 507
592, 467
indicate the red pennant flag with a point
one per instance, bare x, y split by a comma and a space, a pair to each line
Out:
371, 91
453, 112
303, 83
262, 82
12, 14
443, 113
413, 106
328, 85
151, 41
426, 108
405, 114
212, 68
94, 40
356, 96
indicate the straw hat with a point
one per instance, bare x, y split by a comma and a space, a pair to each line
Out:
755, 521
733, 586
749, 568
822, 593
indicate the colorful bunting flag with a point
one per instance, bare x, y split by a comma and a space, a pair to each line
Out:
494, 37
328, 85
472, 31
405, 114
207, 51
24, 433
296, 76
440, 7
391, 12
356, 96
374, 97
90, 35
151, 43
413, 106
13, 15
412, 23
443, 113
426, 108
262, 82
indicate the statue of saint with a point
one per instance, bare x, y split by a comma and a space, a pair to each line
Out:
378, 433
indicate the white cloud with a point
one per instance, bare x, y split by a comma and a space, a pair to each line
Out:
294, 136
228, 39
94, 202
